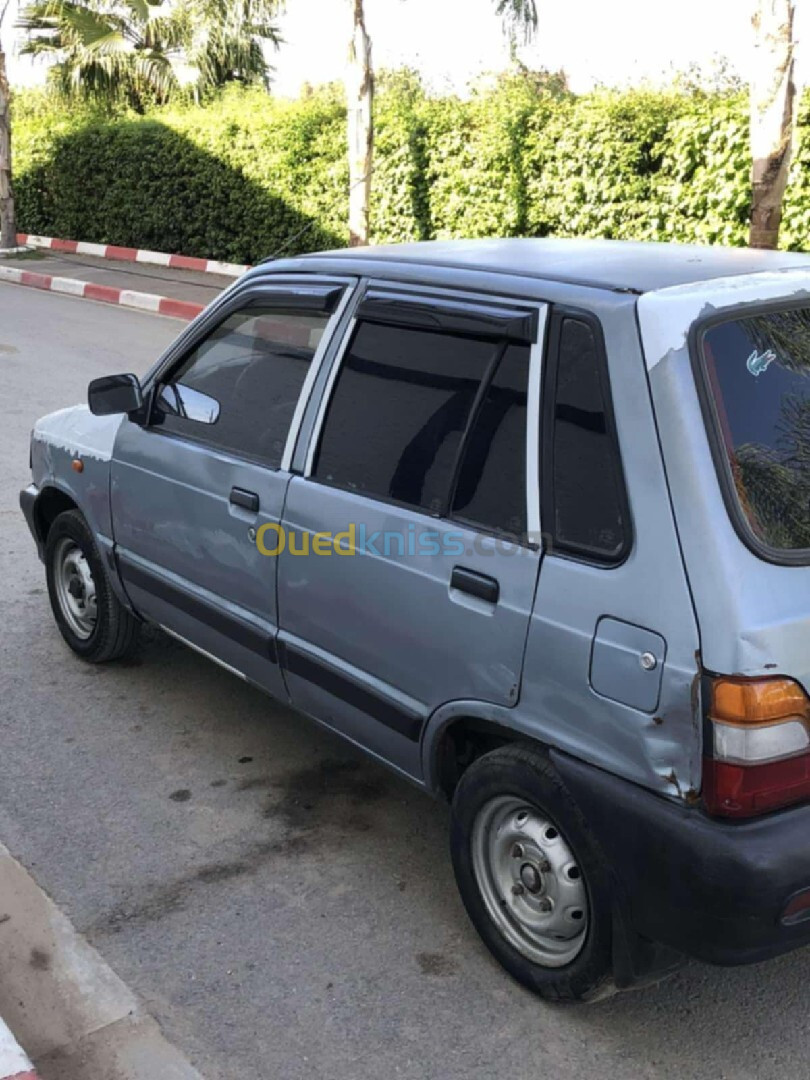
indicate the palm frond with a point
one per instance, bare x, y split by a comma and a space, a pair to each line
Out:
134, 47
520, 16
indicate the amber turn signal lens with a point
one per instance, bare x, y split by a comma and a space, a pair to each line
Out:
758, 701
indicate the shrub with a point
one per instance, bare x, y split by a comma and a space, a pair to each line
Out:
245, 175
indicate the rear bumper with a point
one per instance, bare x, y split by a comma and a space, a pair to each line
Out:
708, 889
28, 498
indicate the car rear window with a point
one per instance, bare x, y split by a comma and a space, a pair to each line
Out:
758, 374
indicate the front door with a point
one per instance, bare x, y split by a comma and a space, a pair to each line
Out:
422, 473
193, 484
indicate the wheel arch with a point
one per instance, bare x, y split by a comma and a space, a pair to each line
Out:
51, 502
458, 733
54, 499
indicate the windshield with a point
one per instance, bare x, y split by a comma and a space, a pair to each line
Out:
758, 371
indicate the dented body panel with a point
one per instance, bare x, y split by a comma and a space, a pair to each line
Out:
754, 615
659, 747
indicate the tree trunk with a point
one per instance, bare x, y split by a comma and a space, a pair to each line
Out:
8, 227
772, 117
360, 101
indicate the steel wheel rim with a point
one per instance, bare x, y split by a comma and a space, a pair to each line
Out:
75, 588
530, 881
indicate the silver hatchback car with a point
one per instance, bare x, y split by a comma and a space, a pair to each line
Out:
528, 521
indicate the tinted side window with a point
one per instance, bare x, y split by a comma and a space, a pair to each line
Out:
237, 390
588, 513
759, 378
491, 489
398, 410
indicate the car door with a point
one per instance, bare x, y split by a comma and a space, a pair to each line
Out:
410, 554
209, 465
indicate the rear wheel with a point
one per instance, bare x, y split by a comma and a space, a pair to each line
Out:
530, 875
89, 615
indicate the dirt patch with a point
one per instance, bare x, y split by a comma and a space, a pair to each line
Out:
329, 796
152, 904
320, 806
40, 960
433, 963
253, 783
150, 907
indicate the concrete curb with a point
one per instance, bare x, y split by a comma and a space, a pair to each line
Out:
14, 1063
89, 290
76, 1018
127, 254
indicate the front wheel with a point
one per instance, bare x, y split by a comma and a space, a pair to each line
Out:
531, 877
89, 615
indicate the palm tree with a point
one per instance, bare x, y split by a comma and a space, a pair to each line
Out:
520, 18
773, 95
225, 39
120, 49
139, 49
8, 226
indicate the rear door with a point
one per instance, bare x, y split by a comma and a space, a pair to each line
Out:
421, 478
210, 465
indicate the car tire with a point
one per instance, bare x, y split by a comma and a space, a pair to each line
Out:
90, 617
531, 875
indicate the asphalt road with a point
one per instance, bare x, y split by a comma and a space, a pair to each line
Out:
284, 908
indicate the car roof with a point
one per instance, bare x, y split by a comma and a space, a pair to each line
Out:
618, 265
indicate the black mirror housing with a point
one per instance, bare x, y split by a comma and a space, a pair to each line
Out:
114, 394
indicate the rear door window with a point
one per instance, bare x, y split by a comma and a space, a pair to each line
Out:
758, 379
402, 401
491, 487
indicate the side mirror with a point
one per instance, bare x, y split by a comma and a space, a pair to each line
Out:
114, 394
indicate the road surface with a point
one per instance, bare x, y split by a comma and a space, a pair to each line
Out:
284, 908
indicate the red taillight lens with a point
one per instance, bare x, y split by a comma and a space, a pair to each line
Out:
797, 908
744, 790
760, 753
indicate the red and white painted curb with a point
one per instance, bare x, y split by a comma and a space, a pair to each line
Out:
90, 290
14, 1062
128, 254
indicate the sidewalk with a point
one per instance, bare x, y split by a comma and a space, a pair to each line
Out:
75, 1017
105, 277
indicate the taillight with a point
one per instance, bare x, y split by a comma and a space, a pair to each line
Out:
760, 752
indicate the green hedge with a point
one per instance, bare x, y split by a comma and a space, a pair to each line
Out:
247, 175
